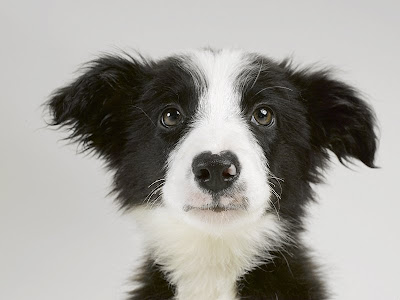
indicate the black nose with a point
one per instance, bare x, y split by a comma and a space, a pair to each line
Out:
215, 172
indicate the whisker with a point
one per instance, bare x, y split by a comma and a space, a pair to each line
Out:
158, 180
155, 201
287, 262
272, 87
258, 74
278, 180
148, 198
277, 212
271, 183
277, 196
154, 191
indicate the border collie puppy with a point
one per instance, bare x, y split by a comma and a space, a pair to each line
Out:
214, 153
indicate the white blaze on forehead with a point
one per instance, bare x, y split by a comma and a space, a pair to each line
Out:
218, 121
221, 98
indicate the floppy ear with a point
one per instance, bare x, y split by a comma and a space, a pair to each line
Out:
340, 120
95, 106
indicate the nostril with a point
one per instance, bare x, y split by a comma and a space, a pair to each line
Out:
229, 172
215, 172
203, 175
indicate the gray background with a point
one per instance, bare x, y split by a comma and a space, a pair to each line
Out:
62, 238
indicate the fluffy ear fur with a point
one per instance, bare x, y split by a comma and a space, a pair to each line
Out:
95, 105
340, 120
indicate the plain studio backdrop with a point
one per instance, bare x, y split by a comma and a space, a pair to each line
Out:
61, 237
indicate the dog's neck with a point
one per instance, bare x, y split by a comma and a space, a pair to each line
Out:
203, 265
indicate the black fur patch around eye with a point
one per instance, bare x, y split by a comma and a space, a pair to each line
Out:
114, 108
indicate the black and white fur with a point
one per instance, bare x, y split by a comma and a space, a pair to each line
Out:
241, 242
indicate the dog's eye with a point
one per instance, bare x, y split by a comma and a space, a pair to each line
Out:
262, 116
171, 117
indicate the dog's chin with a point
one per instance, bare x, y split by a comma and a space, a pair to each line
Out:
215, 218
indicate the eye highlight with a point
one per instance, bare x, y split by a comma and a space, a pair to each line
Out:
262, 116
171, 117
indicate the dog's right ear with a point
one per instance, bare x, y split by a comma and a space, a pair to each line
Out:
340, 119
95, 106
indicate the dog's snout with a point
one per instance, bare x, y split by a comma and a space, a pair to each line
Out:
216, 172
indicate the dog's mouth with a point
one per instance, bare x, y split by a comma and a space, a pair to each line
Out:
217, 208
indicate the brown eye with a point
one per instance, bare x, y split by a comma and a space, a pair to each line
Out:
171, 117
262, 116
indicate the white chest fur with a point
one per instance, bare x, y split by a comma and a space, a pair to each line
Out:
203, 265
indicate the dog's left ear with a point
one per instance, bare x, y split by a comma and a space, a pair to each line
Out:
340, 120
96, 105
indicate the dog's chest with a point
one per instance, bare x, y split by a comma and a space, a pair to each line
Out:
201, 265
209, 269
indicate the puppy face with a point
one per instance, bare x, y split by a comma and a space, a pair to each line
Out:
215, 137
217, 172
